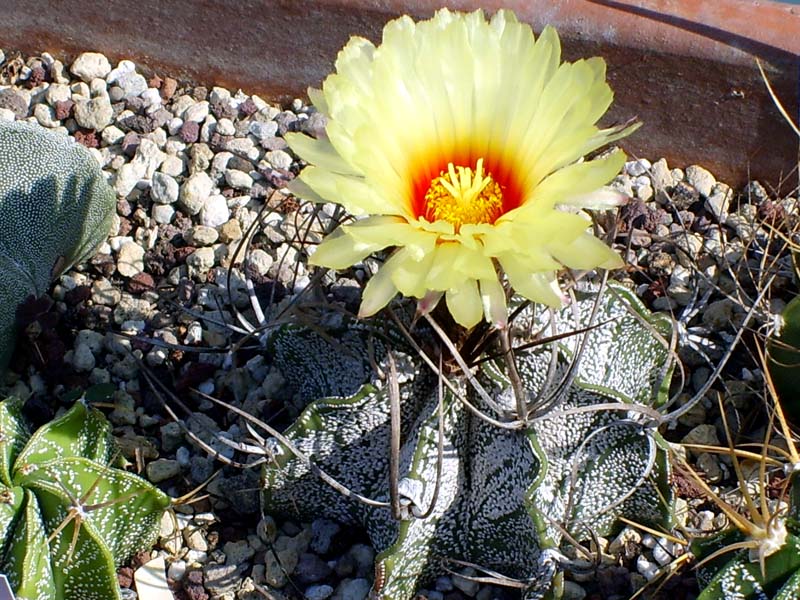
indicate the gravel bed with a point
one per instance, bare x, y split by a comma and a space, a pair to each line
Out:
194, 168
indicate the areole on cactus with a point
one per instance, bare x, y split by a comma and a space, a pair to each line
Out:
68, 515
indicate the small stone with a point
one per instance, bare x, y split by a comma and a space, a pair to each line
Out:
222, 579
705, 435
635, 168
82, 358
195, 538
718, 202
700, 179
469, 587
195, 113
189, 132
215, 211
237, 553
279, 159
718, 315
201, 235
260, 261
352, 589
45, 115
162, 469
201, 259
230, 231
177, 569
318, 592
95, 113
57, 92
311, 569
130, 260
322, 532
90, 65
162, 213
238, 179
195, 192
164, 189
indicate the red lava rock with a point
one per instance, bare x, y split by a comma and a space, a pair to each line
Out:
195, 592
87, 138
155, 82
223, 110
168, 88
138, 123
218, 143
194, 577
125, 577
104, 264
78, 294
194, 374
63, 109
190, 132
38, 75
140, 283
248, 107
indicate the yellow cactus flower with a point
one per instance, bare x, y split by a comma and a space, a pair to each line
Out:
459, 142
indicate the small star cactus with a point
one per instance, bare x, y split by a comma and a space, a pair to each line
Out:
499, 498
55, 208
68, 517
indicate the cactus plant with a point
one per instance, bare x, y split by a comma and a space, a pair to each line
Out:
68, 517
784, 359
503, 496
55, 208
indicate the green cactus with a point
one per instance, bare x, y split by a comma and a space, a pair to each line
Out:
784, 360
68, 517
501, 492
742, 566
55, 208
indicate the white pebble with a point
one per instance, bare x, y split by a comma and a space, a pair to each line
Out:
215, 211
90, 65
634, 168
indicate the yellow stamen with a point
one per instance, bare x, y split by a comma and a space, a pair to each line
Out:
462, 197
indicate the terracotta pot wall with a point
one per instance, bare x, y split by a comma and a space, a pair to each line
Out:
685, 67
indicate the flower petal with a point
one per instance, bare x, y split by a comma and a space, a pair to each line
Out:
586, 252
378, 292
464, 303
537, 287
354, 194
493, 297
318, 152
339, 251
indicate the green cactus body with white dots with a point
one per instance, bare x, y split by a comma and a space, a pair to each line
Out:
62, 471
504, 497
55, 208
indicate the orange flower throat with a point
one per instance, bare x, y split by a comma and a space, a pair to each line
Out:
462, 196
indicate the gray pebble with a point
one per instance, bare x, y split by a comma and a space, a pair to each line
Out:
318, 592
700, 179
162, 213
322, 532
352, 589
162, 469
164, 189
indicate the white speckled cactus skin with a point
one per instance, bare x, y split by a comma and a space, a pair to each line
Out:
55, 208
501, 492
